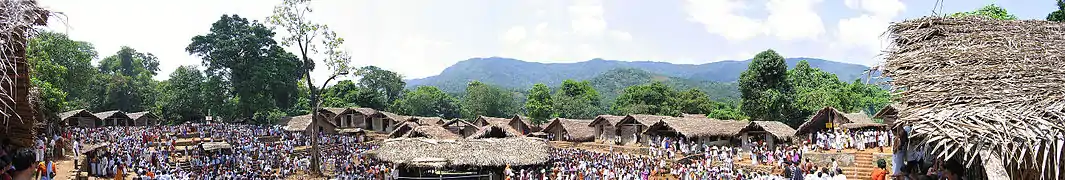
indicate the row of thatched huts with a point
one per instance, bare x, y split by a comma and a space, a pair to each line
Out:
86, 119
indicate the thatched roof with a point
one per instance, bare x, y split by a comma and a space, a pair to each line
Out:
698, 127
692, 115
211, 146
609, 119
860, 120
394, 117
889, 113
436, 121
775, 128
422, 152
528, 123
431, 131
644, 119
839, 118
365, 111
296, 123
86, 148
973, 84
485, 120
495, 131
138, 115
333, 110
402, 128
577, 129
79, 112
458, 122
108, 114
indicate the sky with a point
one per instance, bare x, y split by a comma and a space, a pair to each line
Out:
420, 38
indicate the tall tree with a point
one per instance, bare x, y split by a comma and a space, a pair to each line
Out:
577, 99
539, 103
765, 91
242, 57
815, 89
990, 11
1059, 15
307, 36
182, 96
694, 101
127, 83
427, 101
63, 64
487, 100
653, 98
387, 83
727, 110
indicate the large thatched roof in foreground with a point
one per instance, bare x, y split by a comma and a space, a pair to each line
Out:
974, 86
423, 152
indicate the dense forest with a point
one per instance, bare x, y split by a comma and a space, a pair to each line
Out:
246, 75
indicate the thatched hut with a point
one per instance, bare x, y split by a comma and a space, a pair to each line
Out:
114, 118
302, 123
604, 127
514, 123
144, 118
495, 131
486, 158
80, 118
700, 130
984, 92
460, 127
573, 130
434, 121
889, 113
331, 114
770, 132
829, 118
533, 127
630, 129
385, 121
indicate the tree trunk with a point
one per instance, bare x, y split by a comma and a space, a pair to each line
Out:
315, 153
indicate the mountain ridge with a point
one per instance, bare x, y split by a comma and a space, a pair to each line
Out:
518, 74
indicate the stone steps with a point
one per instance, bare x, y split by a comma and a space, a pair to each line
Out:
863, 166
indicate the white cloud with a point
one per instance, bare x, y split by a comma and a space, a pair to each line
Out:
721, 17
865, 31
514, 35
794, 19
582, 35
787, 19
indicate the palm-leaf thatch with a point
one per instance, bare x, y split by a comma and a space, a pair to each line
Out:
435, 121
143, 118
608, 119
19, 114
889, 113
365, 111
422, 152
642, 119
79, 118
402, 128
430, 131
975, 84
775, 128
577, 130
859, 120
495, 131
697, 127
303, 123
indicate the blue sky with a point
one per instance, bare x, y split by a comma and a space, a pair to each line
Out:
420, 38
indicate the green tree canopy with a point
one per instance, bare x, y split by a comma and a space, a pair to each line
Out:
539, 105
653, 98
182, 96
1059, 15
387, 83
694, 101
125, 82
64, 64
260, 74
990, 11
487, 100
765, 91
578, 100
427, 101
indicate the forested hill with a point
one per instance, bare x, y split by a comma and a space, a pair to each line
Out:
518, 74
613, 82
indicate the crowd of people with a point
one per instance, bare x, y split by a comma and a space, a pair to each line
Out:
842, 139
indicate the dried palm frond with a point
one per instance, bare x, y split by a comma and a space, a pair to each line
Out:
421, 152
974, 84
